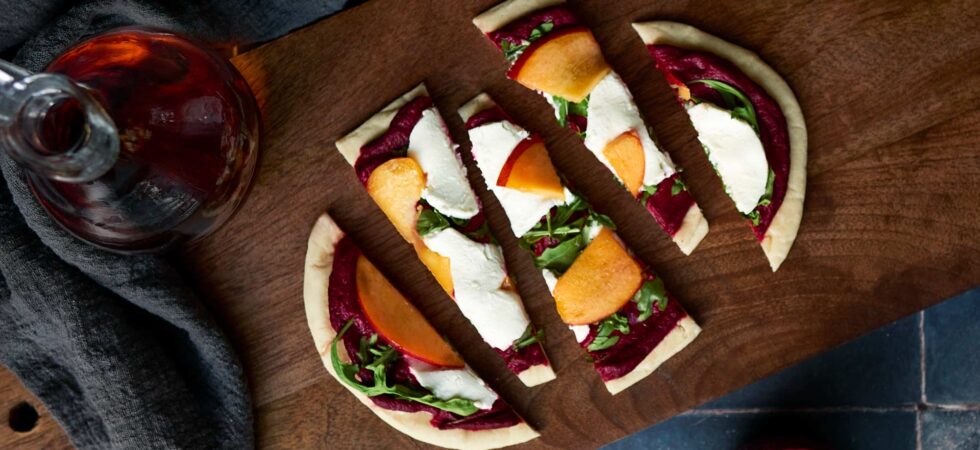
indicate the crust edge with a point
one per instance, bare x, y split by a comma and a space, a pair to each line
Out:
318, 267
503, 13
693, 229
350, 145
781, 235
683, 334
476, 104
537, 375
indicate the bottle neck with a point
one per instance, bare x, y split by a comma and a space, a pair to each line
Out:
54, 127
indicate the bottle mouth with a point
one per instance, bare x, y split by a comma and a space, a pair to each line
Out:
59, 129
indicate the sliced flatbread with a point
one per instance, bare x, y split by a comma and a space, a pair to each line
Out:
785, 224
319, 265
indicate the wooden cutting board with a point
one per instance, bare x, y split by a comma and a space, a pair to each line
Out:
891, 94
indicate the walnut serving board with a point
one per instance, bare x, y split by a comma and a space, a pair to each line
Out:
891, 95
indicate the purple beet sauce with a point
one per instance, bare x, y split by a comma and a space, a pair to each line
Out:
394, 142
689, 65
629, 351
489, 115
525, 358
520, 30
345, 306
667, 208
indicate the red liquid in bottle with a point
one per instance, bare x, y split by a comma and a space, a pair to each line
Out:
188, 131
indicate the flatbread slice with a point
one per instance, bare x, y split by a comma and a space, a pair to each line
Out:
323, 242
409, 164
778, 238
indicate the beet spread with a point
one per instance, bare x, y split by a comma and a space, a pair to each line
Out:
489, 115
629, 351
520, 30
345, 306
689, 65
668, 208
394, 142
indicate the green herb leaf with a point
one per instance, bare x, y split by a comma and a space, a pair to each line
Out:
604, 337
753, 217
430, 221
648, 192
540, 30
602, 219
564, 107
736, 101
559, 258
766, 199
678, 186
602, 343
529, 337
650, 292
512, 51
385, 355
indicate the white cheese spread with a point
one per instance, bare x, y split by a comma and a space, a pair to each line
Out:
478, 273
612, 112
581, 332
452, 383
492, 145
446, 186
736, 152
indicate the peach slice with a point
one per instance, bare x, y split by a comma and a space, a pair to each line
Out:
600, 281
396, 186
567, 63
397, 320
625, 154
437, 264
529, 169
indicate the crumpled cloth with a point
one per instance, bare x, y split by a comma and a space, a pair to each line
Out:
119, 348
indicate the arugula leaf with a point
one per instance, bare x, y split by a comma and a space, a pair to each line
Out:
651, 291
739, 104
540, 30
648, 192
571, 234
430, 221
678, 186
384, 355
604, 337
559, 258
753, 217
766, 199
581, 108
513, 51
564, 107
602, 219
529, 337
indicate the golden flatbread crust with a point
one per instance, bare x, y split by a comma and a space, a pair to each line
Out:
693, 229
350, 145
683, 333
535, 375
785, 224
503, 13
319, 264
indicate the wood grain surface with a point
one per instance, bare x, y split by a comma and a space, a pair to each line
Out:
891, 95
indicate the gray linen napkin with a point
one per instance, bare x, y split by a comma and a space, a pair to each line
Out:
118, 348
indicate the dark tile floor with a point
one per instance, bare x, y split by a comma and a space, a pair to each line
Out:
913, 385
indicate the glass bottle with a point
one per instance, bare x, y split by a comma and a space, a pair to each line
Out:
133, 140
